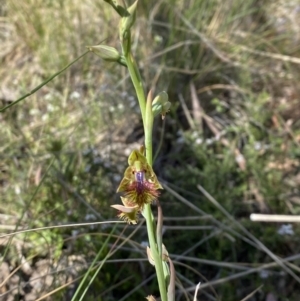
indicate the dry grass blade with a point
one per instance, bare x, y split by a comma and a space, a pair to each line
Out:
198, 210
252, 294
189, 282
276, 56
171, 48
229, 265
205, 40
244, 273
21, 266
196, 107
186, 112
61, 226
136, 288
231, 70
240, 159
196, 291
274, 218
243, 229
222, 87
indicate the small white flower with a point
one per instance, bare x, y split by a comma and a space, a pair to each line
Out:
195, 134
75, 233
90, 217
240, 158
286, 230
264, 274
45, 117
209, 141
144, 244
17, 190
34, 112
75, 95
50, 107
120, 106
199, 141
257, 146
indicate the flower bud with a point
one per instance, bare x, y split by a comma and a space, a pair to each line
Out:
161, 104
128, 20
151, 298
118, 8
107, 53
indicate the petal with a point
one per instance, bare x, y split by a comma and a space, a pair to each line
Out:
123, 185
124, 209
128, 214
129, 173
127, 203
136, 156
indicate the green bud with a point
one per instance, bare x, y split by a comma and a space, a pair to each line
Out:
128, 20
107, 53
118, 8
161, 104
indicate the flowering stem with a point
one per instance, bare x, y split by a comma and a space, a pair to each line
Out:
148, 124
159, 228
157, 259
137, 82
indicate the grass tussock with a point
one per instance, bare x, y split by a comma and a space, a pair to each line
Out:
231, 69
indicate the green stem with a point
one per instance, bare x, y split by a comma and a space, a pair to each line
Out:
137, 82
155, 255
159, 228
148, 124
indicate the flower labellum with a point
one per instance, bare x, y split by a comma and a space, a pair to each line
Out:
139, 184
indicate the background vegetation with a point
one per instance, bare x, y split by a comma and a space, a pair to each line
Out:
231, 69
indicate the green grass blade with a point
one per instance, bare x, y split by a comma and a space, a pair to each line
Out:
24, 211
43, 83
91, 268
